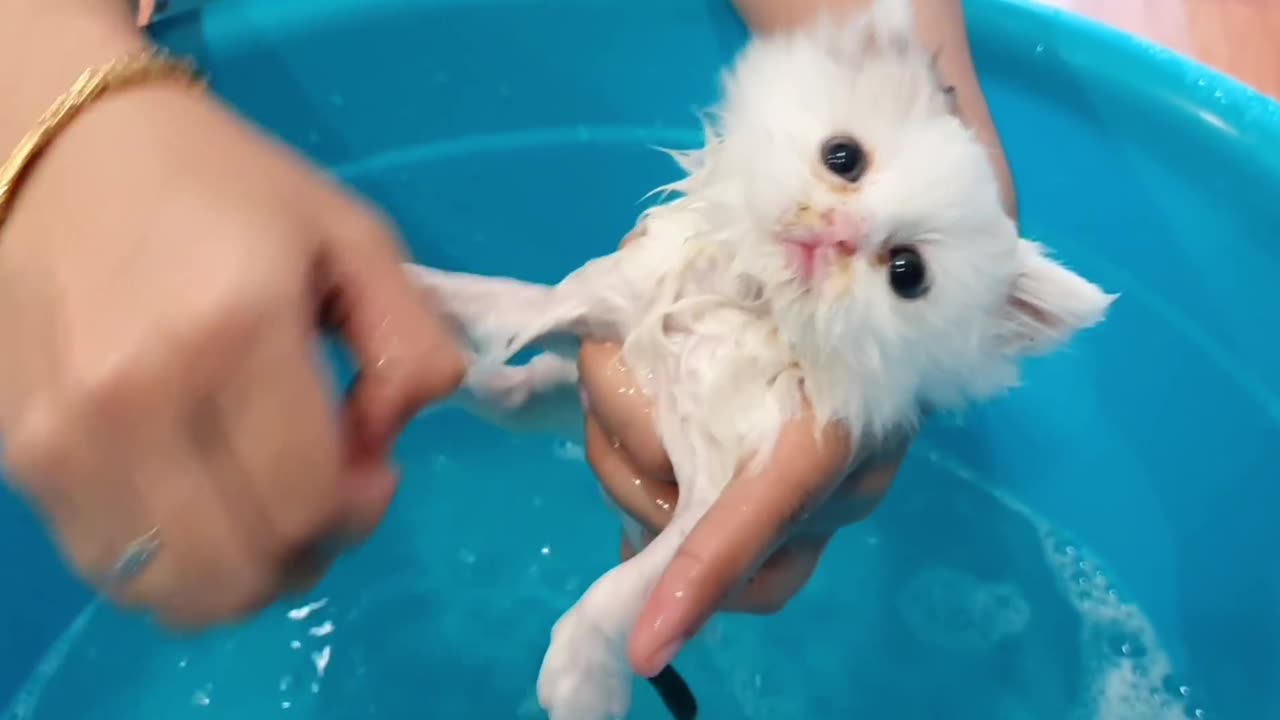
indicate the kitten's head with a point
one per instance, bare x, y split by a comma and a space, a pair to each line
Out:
873, 217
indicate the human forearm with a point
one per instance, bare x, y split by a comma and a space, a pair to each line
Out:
46, 44
940, 24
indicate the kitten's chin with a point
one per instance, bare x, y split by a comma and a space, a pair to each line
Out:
798, 267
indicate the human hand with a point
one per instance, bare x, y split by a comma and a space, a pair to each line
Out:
759, 544
167, 269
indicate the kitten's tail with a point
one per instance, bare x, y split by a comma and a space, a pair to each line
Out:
675, 694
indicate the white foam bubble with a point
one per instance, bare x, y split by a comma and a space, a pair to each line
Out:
1129, 665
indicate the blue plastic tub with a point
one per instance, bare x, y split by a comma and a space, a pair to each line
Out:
1100, 544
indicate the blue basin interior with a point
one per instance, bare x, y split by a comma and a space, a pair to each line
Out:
1104, 532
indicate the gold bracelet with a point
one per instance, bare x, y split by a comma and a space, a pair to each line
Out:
130, 70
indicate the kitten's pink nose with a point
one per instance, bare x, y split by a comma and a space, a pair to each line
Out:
819, 237
840, 230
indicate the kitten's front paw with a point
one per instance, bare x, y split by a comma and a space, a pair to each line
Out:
584, 676
503, 387
508, 387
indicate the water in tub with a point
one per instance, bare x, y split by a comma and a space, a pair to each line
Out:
951, 602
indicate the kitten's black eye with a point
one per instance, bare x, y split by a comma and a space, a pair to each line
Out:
907, 274
844, 157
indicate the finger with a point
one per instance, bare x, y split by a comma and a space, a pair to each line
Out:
205, 569
778, 579
278, 439
78, 457
306, 572
772, 586
369, 485
326, 503
406, 354
622, 409
649, 502
858, 495
748, 520
133, 461
92, 508
257, 490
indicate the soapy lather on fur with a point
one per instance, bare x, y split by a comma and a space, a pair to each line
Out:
839, 241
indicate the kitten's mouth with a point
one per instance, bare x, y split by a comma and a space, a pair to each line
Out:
814, 243
812, 260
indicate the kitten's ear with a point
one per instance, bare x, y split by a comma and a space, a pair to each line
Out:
1048, 304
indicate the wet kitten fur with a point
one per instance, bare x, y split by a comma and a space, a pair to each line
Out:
729, 339
869, 357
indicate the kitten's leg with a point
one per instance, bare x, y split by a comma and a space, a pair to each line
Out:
507, 388
541, 395
502, 316
485, 310
602, 300
585, 674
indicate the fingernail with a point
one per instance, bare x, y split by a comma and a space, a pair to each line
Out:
657, 644
663, 656
666, 625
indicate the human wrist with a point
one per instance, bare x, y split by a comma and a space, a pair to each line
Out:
942, 29
46, 44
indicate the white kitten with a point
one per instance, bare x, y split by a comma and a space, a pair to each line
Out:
841, 235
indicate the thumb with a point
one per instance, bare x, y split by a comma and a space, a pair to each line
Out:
406, 356
748, 521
